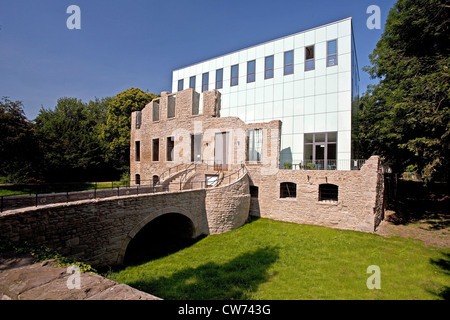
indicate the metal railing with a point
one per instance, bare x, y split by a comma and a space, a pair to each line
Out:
44, 194
354, 164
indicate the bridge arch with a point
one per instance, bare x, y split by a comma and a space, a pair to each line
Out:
172, 225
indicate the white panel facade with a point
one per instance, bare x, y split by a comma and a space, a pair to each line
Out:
307, 101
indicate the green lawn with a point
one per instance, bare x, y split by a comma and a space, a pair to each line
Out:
268, 259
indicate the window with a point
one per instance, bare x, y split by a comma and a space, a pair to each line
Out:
211, 179
156, 110
309, 58
251, 65
137, 150
155, 147
332, 53
328, 192
196, 147
155, 179
170, 106
137, 179
288, 190
288, 62
254, 147
268, 67
219, 78
192, 82
254, 192
180, 84
138, 119
170, 148
320, 151
205, 81
234, 75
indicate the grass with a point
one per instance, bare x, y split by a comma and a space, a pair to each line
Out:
274, 260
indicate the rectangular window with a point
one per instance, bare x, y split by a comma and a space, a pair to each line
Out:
170, 106
170, 148
137, 150
254, 147
268, 67
289, 62
192, 82
320, 151
253, 192
205, 81
180, 84
138, 119
155, 147
234, 75
309, 58
156, 110
251, 70
332, 59
196, 147
219, 78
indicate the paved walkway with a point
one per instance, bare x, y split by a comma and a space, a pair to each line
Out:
21, 279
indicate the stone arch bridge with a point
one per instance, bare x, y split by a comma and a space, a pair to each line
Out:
99, 231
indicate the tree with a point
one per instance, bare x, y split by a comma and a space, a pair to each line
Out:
116, 132
406, 117
18, 151
70, 140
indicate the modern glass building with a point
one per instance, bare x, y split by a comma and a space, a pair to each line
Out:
308, 80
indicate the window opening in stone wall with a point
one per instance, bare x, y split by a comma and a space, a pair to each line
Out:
155, 179
288, 190
137, 150
254, 191
309, 58
155, 110
196, 147
254, 146
137, 179
138, 119
171, 106
170, 148
155, 147
328, 192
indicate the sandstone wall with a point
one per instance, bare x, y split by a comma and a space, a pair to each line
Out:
184, 124
227, 207
359, 206
98, 231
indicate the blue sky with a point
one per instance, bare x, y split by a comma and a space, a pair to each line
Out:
137, 43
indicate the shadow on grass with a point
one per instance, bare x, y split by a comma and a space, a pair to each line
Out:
444, 265
414, 203
236, 279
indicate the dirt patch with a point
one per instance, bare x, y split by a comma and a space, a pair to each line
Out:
419, 212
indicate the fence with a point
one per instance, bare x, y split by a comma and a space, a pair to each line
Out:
354, 164
51, 193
